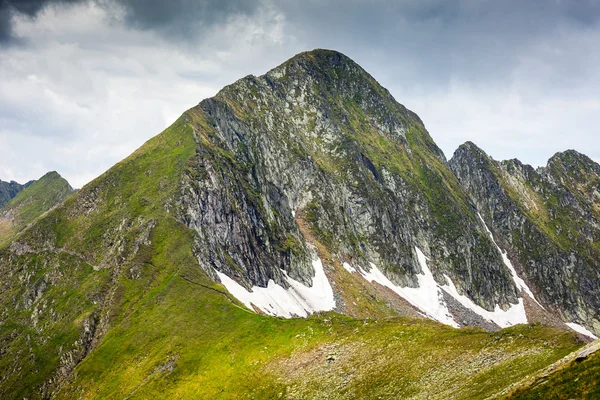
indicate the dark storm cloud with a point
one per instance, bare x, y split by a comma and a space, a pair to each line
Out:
358, 19
27, 7
519, 78
5, 27
183, 18
175, 19
433, 41
586, 12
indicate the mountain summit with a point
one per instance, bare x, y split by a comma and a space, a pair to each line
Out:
308, 190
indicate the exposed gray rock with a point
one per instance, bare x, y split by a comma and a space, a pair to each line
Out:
548, 222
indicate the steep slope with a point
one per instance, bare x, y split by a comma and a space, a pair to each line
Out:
30, 203
315, 189
547, 220
8, 190
85, 265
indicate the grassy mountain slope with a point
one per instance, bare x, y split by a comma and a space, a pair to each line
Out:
150, 323
192, 343
579, 381
31, 202
104, 296
578, 377
66, 275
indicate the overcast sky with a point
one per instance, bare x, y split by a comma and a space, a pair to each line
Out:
84, 83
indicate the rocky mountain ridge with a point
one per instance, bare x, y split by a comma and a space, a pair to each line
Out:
548, 221
317, 139
320, 121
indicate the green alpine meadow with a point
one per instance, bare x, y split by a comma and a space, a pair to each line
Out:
300, 235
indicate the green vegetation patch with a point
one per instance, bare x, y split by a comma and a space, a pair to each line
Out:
579, 380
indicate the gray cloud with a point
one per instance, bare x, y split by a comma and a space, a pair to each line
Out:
481, 40
5, 28
29, 8
178, 19
363, 20
183, 19
84, 82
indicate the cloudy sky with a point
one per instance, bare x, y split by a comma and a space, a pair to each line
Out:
85, 82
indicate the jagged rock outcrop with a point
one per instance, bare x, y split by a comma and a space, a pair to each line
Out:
549, 222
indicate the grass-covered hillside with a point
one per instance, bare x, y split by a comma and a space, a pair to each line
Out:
75, 270
576, 377
103, 298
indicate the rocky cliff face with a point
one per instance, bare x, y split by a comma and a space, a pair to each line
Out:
547, 220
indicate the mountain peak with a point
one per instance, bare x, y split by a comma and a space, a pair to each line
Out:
328, 94
575, 170
469, 151
31, 202
325, 66
323, 57
469, 145
51, 174
54, 177
306, 190
570, 157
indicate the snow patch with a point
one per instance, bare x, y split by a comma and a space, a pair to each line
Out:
580, 329
427, 297
519, 282
514, 315
298, 300
349, 267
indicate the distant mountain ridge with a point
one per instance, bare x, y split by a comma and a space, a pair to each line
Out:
9, 190
32, 201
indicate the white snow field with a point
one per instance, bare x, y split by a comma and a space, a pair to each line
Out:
514, 315
427, 297
298, 300
581, 329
